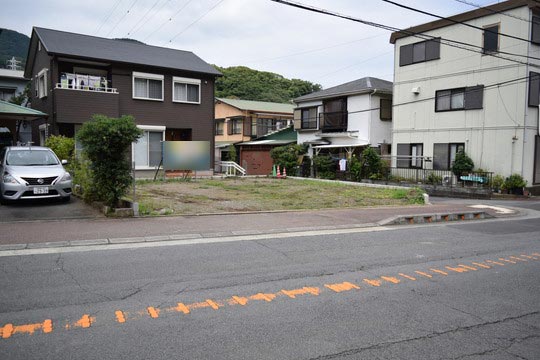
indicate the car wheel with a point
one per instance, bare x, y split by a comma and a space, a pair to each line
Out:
65, 199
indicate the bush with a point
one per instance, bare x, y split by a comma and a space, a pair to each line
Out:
325, 166
497, 182
232, 153
62, 146
462, 164
433, 179
82, 178
514, 181
355, 168
371, 164
106, 142
288, 156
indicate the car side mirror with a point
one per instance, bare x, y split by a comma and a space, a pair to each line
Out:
64, 162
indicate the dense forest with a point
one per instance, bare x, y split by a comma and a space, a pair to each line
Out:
237, 82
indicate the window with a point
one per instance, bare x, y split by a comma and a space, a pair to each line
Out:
444, 155
468, 98
6, 93
220, 125
385, 109
491, 39
309, 118
420, 52
186, 90
234, 126
147, 149
410, 155
534, 89
417, 155
535, 31
147, 86
41, 84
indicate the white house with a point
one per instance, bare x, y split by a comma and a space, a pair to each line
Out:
345, 118
471, 82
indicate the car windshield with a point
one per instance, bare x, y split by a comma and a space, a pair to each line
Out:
31, 158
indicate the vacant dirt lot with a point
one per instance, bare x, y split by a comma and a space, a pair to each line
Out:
260, 194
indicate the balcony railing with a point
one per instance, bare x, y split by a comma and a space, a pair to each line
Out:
85, 83
334, 121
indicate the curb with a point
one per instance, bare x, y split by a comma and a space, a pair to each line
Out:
434, 218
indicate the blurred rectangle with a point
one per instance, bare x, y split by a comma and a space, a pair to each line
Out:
186, 155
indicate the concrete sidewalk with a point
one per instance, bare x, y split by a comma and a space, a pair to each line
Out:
103, 231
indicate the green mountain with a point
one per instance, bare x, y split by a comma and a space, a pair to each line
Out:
12, 44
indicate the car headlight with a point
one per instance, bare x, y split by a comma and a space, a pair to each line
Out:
8, 179
66, 177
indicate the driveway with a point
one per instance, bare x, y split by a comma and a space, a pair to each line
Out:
47, 210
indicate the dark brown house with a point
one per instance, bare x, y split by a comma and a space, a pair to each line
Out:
169, 92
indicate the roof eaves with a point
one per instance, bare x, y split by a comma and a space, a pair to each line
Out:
338, 94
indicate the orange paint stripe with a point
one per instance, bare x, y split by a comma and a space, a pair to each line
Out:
508, 261
516, 258
373, 282
391, 279
423, 274
527, 256
407, 277
120, 316
240, 300
7, 331
212, 304
85, 322
47, 326
468, 267
535, 254
345, 286
153, 312
182, 308
456, 269
198, 305
305, 290
439, 271
481, 265
494, 262
264, 297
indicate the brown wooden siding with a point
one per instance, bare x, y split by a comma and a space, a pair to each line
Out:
77, 107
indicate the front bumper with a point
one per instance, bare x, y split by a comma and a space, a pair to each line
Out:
60, 189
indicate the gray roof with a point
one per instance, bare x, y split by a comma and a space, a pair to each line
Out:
359, 86
71, 44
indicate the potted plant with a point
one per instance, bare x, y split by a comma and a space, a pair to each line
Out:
515, 184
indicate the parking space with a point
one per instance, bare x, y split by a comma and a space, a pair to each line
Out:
47, 209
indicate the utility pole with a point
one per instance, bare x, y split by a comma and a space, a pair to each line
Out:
13, 64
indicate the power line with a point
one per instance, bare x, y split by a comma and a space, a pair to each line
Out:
151, 16
448, 42
454, 21
113, 9
122, 18
194, 22
169, 20
491, 10
143, 17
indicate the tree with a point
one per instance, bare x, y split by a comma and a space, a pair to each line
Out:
287, 156
462, 164
371, 164
62, 146
106, 142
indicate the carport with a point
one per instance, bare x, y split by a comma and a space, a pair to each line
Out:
11, 117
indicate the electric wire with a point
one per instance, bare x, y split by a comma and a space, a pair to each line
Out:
122, 18
113, 9
142, 18
151, 16
491, 10
168, 21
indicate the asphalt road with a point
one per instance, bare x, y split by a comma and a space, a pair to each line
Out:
461, 291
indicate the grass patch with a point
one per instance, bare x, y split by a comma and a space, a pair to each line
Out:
163, 197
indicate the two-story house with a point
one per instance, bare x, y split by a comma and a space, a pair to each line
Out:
12, 84
169, 92
346, 118
239, 121
470, 82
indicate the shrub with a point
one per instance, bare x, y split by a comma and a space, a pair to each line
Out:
325, 166
433, 179
82, 178
232, 153
355, 168
287, 156
106, 142
497, 182
62, 146
462, 164
514, 181
371, 164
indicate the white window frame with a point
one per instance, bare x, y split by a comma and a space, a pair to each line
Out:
41, 93
147, 76
147, 128
182, 80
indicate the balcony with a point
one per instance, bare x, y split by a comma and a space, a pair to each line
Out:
334, 121
83, 82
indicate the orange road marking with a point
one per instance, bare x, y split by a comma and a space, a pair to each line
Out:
423, 274
153, 312
120, 316
494, 262
439, 272
182, 308
535, 254
391, 279
516, 258
456, 269
305, 290
468, 267
481, 265
261, 296
7, 331
373, 282
239, 300
527, 256
85, 322
508, 261
407, 277
47, 326
212, 304
345, 286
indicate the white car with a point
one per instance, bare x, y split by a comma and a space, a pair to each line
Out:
32, 172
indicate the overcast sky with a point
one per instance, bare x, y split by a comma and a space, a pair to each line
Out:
260, 34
